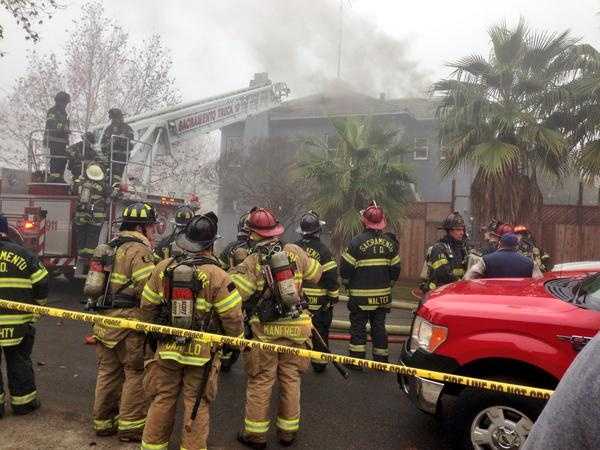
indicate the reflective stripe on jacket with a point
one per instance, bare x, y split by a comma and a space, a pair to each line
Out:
217, 292
133, 265
369, 266
23, 279
326, 290
249, 279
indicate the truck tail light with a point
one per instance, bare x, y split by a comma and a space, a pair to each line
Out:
427, 336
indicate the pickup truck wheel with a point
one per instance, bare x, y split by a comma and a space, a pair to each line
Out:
485, 420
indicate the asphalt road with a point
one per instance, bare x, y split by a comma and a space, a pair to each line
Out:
366, 412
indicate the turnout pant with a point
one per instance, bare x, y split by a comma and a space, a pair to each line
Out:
19, 371
163, 382
321, 320
262, 370
120, 403
358, 332
58, 159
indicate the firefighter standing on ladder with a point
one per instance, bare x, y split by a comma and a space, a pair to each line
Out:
192, 282
322, 296
117, 136
120, 404
369, 267
56, 136
275, 272
22, 279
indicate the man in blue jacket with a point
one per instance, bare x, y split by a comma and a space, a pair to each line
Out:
506, 262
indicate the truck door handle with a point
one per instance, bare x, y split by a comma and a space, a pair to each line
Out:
577, 342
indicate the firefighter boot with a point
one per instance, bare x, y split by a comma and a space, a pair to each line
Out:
21, 410
248, 442
1, 411
286, 439
131, 435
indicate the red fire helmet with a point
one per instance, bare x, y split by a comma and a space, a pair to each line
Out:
503, 229
373, 217
263, 222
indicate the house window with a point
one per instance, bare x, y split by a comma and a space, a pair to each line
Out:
443, 150
421, 149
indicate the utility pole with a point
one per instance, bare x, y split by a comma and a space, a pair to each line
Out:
339, 61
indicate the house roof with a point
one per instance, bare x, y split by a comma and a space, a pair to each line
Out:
342, 101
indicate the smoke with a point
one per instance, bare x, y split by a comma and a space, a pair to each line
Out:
296, 41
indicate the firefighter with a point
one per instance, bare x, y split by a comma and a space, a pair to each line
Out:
277, 317
446, 260
370, 266
491, 236
116, 142
179, 365
80, 153
23, 279
120, 406
93, 194
164, 248
528, 247
236, 251
56, 136
322, 296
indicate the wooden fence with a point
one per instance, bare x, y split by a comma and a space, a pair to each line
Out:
566, 232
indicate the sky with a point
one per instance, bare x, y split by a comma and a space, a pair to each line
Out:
392, 46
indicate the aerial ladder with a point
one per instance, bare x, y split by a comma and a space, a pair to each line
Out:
44, 211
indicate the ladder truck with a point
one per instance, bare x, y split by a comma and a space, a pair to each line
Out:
42, 212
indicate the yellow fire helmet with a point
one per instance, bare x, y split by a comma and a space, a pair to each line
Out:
94, 172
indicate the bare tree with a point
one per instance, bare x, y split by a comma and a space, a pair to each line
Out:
265, 173
101, 69
187, 170
29, 14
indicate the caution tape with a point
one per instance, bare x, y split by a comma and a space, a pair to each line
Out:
118, 322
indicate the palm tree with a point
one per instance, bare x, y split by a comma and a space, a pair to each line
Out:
365, 165
580, 115
495, 116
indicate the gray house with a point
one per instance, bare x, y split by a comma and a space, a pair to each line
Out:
414, 117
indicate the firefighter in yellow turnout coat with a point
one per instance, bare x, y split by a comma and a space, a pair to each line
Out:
119, 404
180, 364
273, 322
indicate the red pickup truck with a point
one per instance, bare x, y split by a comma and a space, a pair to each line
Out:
522, 331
